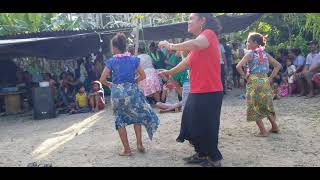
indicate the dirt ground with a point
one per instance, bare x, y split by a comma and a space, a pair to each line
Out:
91, 139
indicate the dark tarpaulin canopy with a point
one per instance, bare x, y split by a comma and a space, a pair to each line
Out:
180, 30
60, 47
66, 47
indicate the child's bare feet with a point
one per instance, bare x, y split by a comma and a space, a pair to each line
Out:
265, 134
274, 130
125, 153
141, 148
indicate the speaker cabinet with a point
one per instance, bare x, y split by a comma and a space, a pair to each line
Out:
43, 103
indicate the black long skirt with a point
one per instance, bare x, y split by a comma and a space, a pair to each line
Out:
200, 123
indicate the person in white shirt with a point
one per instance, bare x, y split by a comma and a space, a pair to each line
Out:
306, 75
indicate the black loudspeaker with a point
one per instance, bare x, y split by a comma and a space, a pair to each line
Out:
43, 103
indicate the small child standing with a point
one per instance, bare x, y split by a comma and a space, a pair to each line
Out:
96, 96
81, 102
291, 70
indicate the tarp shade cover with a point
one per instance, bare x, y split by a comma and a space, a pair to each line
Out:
180, 30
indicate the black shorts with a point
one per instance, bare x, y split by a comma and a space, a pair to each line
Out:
235, 72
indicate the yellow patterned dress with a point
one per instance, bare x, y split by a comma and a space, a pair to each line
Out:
259, 96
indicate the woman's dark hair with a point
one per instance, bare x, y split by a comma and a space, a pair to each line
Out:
141, 50
295, 51
99, 58
283, 51
257, 38
120, 42
313, 42
234, 45
152, 45
70, 74
61, 74
80, 61
211, 22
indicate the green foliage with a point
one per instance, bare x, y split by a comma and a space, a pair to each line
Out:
12, 23
264, 28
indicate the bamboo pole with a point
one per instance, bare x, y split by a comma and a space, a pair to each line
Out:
137, 37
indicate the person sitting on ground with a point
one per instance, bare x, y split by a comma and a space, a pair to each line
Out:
298, 62
282, 57
168, 87
305, 77
275, 83
66, 91
81, 104
167, 107
74, 83
283, 88
175, 59
96, 97
52, 83
298, 59
316, 77
157, 56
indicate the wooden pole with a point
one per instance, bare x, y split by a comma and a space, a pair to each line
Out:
137, 37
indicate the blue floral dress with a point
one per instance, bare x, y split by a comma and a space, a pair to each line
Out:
129, 104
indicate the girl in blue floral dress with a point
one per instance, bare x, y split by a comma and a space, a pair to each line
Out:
129, 104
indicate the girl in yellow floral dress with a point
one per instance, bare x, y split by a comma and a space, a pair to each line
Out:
259, 96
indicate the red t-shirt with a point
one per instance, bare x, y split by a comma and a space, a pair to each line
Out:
205, 66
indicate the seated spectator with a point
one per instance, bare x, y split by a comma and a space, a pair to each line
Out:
305, 77
81, 104
96, 97
275, 84
52, 84
284, 87
283, 55
66, 91
298, 62
166, 107
316, 76
175, 59
74, 83
316, 79
157, 56
298, 59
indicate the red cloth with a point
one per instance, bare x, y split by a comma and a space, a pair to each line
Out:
316, 78
205, 66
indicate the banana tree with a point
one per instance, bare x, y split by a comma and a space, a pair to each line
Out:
12, 23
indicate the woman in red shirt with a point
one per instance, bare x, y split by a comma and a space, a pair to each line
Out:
201, 115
